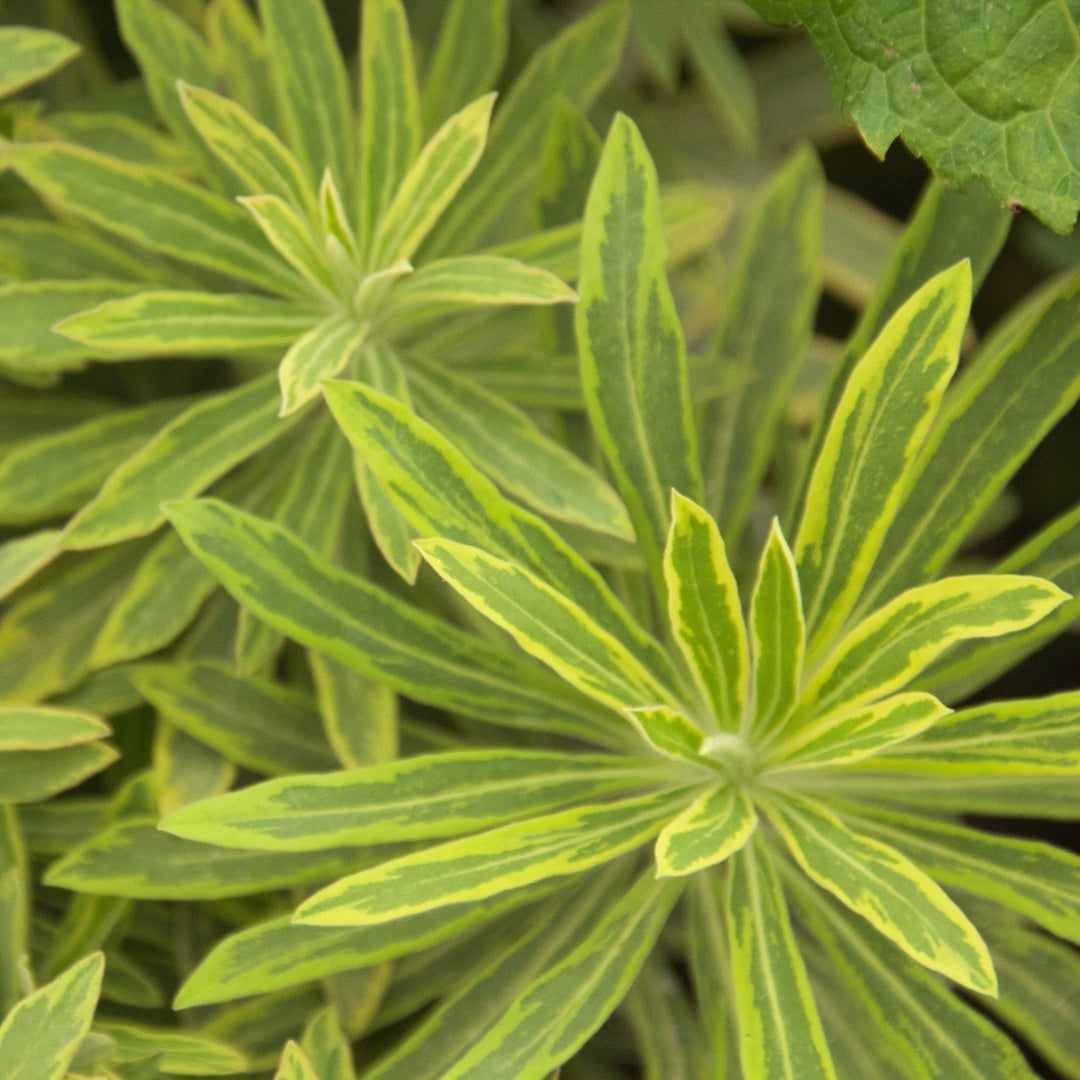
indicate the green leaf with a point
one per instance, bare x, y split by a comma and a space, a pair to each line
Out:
132, 858
894, 895
323, 352
704, 611
41, 1034
24, 556
32, 775
488, 863
889, 648
546, 624
239, 48
253, 722
32, 249
421, 798
287, 585
188, 454
312, 91
183, 323
633, 358
977, 93
568, 162
360, 717
42, 728
844, 736
326, 1047
186, 770
870, 448
294, 240
444, 164
182, 1053
294, 1064
780, 1033
667, 730
711, 829
28, 54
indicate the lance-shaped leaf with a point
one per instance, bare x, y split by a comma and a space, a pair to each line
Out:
24, 556
34, 248
187, 455
491, 862
546, 624
295, 1064
780, 1034
844, 736
186, 323
633, 357
889, 648
44, 728
888, 404
1039, 880
894, 895
152, 208
28, 54
183, 1053
186, 770
248, 148
287, 585
32, 775
132, 858
712, 828
327, 1048
436, 176
704, 611
292, 238
321, 353
41, 1034
359, 717
312, 91
668, 731
419, 798
777, 635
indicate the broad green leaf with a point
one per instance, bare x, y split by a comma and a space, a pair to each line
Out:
28, 54
188, 454
39, 727
780, 1033
505, 443
444, 164
633, 358
889, 648
295, 1064
294, 240
768, 316
32, 249
894, 895
132, 858
287, 585
546, 624
182, 1053
24, 556
182, 323
312, 90
845, 736
326, 1047
977, 93
152, 208
41, 1034
320, 354
262, 163
668, 731
488, 863
704, 611
711, 829
420, 798
186, 770
389, 110
1039, 880
360, 717
253, 722
867, 455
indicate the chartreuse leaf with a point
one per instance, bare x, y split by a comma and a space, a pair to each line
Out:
323, 352
1039, 880
488, 863
251, 721
704, 611
186, 770
295, 1064
668, 731
293, 239
182, 1053
419, 798
40, 1036
247, 148
546, 624
504, 442
889, 648
443, 165
185, 323
868, 452
312, 89
152, 208
132, 858
389, 110
768, 317
780, 1033
25, 727
188, 454
877, 882
286, 584
24, 556
326, 1047
633, 358
711, 829
28, 54
845, 736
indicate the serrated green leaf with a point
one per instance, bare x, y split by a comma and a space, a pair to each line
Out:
182, 1053
632, 352
711, 829
42, 728
24, 556
28, 54
321, 353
